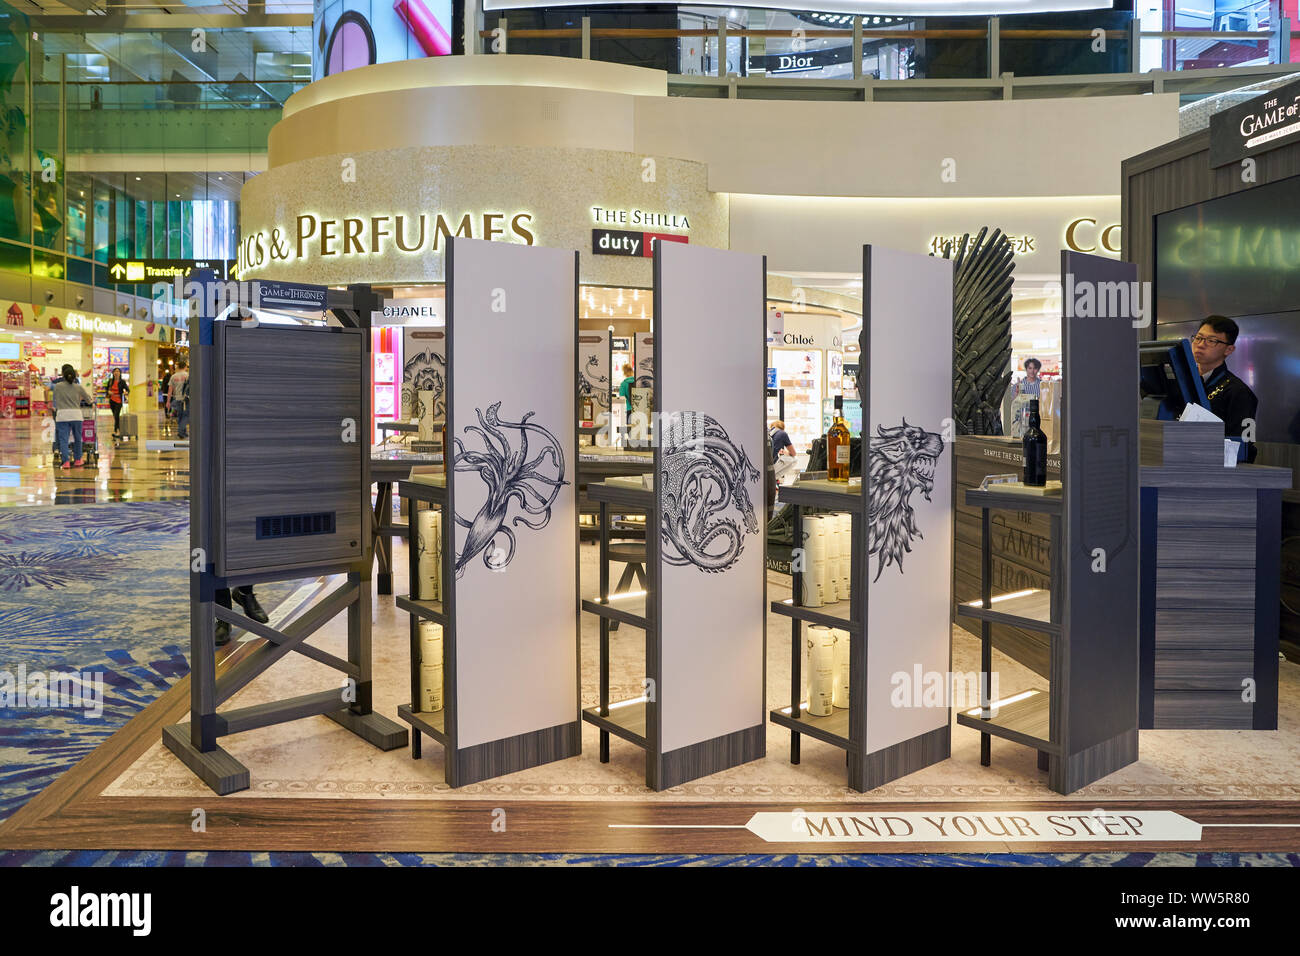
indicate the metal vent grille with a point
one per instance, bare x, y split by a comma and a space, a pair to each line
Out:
295, 526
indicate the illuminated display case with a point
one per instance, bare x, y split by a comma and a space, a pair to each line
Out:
799, 373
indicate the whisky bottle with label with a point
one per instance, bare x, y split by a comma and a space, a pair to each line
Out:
1035, 445
837, 445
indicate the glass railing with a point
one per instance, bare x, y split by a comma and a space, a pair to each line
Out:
145, 95
772, 53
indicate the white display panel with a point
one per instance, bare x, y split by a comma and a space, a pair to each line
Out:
515, 607
710, 460
907, 421
593, 371
424, 368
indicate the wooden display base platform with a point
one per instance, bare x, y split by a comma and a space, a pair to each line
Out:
226, 775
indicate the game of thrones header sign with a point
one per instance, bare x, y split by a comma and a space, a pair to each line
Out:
1264, 122
920, 8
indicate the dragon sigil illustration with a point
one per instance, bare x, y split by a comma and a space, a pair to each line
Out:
704, 479
510, 475
645, 376
425, 372
902, 462
591, 386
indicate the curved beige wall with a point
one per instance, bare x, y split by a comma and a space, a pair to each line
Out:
1031, 147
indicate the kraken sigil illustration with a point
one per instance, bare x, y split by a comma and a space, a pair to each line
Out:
594, 386
424, 372
645, 376
704, 483
510, 475
902, 463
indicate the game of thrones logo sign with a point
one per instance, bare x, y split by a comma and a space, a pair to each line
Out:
1265, 122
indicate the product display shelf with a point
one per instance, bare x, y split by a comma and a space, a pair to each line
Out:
624, 719
1085, 725
1025, 721
846, 615
432, 491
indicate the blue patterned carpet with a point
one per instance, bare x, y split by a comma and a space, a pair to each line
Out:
105, 588
98, 588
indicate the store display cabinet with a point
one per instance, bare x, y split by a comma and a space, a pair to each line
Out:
504, 592
1084, 724
897, 612
702, 613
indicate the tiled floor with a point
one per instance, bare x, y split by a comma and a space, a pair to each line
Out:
125, 471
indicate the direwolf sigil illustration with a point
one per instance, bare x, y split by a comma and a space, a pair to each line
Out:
509, 475
596, 389
703, 479
902, 463
425, 372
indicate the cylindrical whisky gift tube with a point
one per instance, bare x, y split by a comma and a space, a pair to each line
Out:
840, 695
831, 582
429, 548
844, 522
431, 688
430, 643
821, 680
814, 561
805, 669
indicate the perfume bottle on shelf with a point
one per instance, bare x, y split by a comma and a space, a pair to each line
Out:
1035, 446
837, 445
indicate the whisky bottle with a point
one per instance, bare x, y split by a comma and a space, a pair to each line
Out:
837, 445
1035, 445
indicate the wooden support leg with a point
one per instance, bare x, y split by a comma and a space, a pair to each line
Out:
604, 746
415, 744
1044, 760
986, 753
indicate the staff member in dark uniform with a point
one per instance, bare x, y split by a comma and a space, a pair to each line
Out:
1230, 398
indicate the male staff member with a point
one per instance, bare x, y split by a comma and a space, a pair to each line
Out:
1230, 398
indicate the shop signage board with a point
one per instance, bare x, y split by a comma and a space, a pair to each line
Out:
291, 295
1256, 126
124, 271
711, 433
622, 242
801, 61
907, 431
512, 679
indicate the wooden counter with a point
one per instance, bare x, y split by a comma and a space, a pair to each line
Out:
1211, 551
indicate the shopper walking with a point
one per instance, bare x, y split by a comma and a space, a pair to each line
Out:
69, 395
117, 390
178, 398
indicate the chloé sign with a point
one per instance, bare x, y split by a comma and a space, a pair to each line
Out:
315, 237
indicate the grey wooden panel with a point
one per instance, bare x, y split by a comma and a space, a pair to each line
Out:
1096, 686
1192, 628
1191, 445
1171, 176
284, 395
1072, 771
908, 756
1204, 668
1193, 588
1203, 710
1205, 548
1198, 508
710, 756
498, 757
